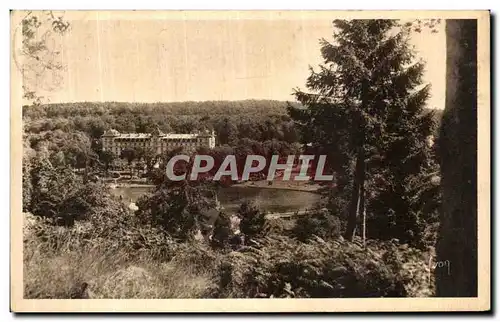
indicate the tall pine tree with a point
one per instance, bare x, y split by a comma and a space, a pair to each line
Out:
365, 110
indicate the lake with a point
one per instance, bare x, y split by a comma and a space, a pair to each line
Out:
271, 200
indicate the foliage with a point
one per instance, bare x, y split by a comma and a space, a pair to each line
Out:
316, 223
107, 158
252, 220
178, 208
27, 186
222, 233
112, 251
36, 58
365, 109
57, 192
129, 155
281, 267
64, 149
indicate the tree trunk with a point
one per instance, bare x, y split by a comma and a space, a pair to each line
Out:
457, 239
362, 212
357, 198
357, 201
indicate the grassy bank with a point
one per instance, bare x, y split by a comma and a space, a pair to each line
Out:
70, 263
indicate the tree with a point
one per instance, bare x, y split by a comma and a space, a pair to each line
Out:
222, 232
27, 164
227, 132
179, 208
457, 145
167, 209
107, 158
232, 121
150, 157
128, 154
365, 112
252, 220
78, 151
35, 58
58, 193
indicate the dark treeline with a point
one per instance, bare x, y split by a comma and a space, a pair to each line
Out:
254, 119
258, 120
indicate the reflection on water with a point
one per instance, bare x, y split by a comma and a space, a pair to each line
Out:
271, 200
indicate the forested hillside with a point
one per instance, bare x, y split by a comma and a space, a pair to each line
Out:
252, 119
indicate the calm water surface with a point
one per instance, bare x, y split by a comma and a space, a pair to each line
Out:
271, 200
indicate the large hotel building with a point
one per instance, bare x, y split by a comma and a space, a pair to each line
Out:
114, 141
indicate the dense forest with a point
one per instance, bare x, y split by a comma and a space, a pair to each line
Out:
258, 120
232, 121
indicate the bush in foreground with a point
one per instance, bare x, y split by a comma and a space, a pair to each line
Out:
316, 223
282, 267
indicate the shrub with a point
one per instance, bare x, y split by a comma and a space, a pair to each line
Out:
318, 223
222, 233
282, 267
113, 227
178, 209
252, 220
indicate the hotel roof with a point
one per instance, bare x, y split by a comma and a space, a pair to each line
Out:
133, 136
159, 134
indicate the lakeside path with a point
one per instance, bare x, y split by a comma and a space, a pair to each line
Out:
281, 185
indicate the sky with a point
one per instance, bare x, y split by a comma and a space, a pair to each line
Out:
191, 57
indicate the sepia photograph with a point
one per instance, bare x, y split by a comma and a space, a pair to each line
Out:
185, 157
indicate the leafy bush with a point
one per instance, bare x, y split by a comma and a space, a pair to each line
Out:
56, 192
252, 220
316, 223
283, 267
178, 209
222, 233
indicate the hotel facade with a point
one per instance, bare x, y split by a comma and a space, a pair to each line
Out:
116, 142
